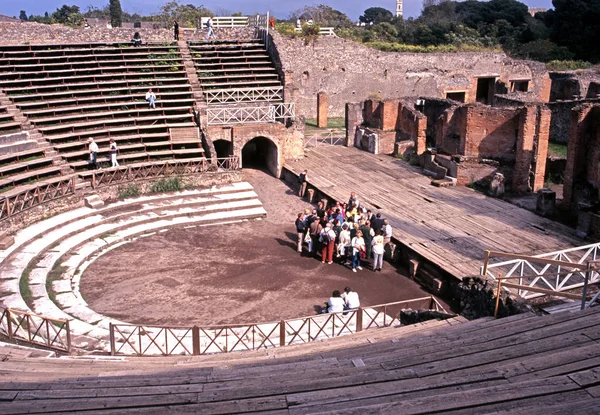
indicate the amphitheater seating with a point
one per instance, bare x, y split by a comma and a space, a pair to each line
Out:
229, 66
7, 122
520, 364
70, 93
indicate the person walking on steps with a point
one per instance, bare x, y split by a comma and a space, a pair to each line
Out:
113, 153
209, 29
93, 149
175, 30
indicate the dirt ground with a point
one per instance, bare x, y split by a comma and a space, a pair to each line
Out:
240, 273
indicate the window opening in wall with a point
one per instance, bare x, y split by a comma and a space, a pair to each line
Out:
223, 148
519, 86
459, 96
485, 90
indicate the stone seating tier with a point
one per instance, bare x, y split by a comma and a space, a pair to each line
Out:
114, 132
181, 91
45, 48
165, 99
118, 112
88, 55
130, 104
117, 69
62, 87
95, 78
96, 65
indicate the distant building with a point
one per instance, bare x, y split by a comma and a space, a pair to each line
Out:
399, 8
534, 10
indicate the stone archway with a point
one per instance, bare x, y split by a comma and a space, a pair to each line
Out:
223, 148
261, 153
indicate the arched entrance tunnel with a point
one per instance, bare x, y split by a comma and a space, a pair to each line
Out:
223, 148
261, 153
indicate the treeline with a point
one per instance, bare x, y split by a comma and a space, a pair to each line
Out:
568, 32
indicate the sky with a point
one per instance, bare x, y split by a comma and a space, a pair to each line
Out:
280, 8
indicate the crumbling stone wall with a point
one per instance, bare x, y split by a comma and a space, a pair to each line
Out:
37, 33
379, 126
350, 72
490, 132
582, 175
572, 85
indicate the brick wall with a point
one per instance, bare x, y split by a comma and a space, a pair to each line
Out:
490, 132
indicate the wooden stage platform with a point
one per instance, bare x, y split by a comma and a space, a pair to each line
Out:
448, 227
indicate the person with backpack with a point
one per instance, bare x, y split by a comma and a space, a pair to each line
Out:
315, 229
302, 182
209, 29
327, 239
301, 231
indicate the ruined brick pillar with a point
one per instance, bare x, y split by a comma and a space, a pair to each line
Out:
525, 150
421, 143
532, 149
389, 114
322, 107
576, 151
354, 118
541, 154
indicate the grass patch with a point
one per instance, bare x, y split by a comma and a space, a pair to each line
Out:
130, 190
24, 280
401, 47
167, 185
338, 123
558, 150
54, 275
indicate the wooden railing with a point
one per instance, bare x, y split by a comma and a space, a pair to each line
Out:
151, 340
30, 197
250, 114
323, 31
228, 96
545, 274
153, 170
325, 138
36, 329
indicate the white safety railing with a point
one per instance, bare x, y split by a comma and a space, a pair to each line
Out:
323, 31
327, 138
229, 21
250, 114
544, 274
228, 96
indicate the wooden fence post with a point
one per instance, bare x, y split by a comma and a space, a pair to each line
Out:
195, 341
111, 331
68, 328
9, 324
282, 333
359, 319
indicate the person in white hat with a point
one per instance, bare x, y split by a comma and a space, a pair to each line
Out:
93, 149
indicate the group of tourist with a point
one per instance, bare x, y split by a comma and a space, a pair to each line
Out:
93, 151
348, 231
348, 300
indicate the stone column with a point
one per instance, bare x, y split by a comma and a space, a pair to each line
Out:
322, 107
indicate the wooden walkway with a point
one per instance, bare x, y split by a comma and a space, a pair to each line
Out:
448, 227
523, 364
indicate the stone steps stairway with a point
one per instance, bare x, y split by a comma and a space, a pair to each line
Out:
61, 247
34, 133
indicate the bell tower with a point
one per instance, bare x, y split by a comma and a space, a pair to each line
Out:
398, 8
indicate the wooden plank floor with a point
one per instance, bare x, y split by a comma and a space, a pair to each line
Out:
450, 227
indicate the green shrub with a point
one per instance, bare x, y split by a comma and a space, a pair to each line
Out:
401, 47
170, 184
130, 190
567, 65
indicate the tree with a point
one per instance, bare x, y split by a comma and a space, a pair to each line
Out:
186, 14
116, 13
23, 15
68, 15
323, 15
375, 15
574, 24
